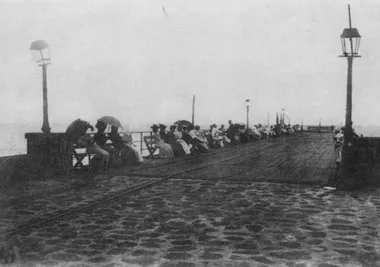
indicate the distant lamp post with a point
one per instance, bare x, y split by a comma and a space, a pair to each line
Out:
350, 39
247, 103
41, 53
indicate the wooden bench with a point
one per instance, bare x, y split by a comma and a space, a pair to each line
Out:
150, 145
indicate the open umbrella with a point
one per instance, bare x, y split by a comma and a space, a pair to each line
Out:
76, 129
182, 123
109, 120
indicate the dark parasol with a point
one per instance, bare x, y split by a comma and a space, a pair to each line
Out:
77, 129
182, 123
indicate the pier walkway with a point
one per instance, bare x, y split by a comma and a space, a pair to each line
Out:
259, 204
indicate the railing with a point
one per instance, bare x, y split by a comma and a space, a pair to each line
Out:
140, 142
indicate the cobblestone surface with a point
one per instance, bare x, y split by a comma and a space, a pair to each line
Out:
230, 219
203, 223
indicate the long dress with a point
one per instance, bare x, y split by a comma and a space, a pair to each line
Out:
177, 148
185, 146
128, 155
127, 138
215, 133
93, 148
197, 141
165, 150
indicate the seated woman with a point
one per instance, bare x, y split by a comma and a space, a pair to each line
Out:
243, 134
162, 131
171, 139
127, 153
198, 143
101, 140
186, 137
256, 133
179, 139
165, 150
216, 135
128, 141
202, 136
93, 148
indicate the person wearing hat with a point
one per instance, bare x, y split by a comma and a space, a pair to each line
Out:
216, 135
185, 136
93, 148
231, 131
165, 150
162, 131
179, 137
179, 146
128, 153
197, 141
128, 141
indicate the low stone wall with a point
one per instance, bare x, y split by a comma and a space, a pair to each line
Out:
11, 166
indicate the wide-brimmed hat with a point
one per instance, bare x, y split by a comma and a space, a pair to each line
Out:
154, 126
173, 126
162, 126
127, 137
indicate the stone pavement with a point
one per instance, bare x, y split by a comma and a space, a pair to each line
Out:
223, 215
203, 223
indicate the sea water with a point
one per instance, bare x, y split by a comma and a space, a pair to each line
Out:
13, 142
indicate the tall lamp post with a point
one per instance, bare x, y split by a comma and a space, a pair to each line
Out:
350, 39
247, 103
41, 53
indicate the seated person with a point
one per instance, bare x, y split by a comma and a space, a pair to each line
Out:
165, 150
77, 129
201, 135
171, 139
196, 141
179, 138
162, 131
210, 141
185, 136
243, 134
127, 153
231, 131
93, 148
128, 141
222, 129
101, 138
217, 136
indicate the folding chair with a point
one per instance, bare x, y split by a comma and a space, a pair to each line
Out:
150, 145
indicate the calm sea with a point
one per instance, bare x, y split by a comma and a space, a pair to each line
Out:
12, 136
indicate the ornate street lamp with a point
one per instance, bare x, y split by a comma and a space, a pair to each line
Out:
41, 53
247, 103
350, 173
350, 39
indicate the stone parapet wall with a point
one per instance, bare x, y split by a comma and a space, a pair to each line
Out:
10, 166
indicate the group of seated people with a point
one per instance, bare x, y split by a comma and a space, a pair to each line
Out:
107, 147
183, 140
180, 140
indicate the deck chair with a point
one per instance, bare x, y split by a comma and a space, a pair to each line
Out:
150, 145
79, 157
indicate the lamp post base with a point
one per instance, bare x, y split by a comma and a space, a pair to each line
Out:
46, 129
352, 173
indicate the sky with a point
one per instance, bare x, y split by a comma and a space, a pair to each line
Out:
143, 60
